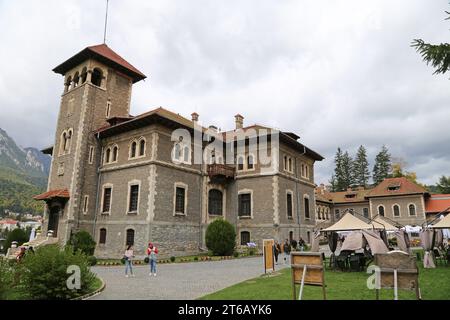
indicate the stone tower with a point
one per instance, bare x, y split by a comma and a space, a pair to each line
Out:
97, 93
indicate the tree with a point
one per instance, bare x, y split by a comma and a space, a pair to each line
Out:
436, 55
338, 171
18, 235
382, 166
221, 238
333, 183
83, 241
361, 167
398, 171
347, 170
443, 186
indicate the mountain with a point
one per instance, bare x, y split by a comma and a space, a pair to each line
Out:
23, 174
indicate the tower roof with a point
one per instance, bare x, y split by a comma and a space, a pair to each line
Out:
104, 54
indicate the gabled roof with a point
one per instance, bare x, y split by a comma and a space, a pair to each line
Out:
103, 54
437, 203
350, 196
405, 187
348, 223
52, 194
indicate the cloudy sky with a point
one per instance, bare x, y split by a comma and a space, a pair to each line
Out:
338, 73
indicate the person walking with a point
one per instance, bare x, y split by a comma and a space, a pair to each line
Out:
276, 251
152, 253
128, 256
301, 244
287, 251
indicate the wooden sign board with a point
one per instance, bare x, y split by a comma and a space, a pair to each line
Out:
398, 270
307, 269
269, 259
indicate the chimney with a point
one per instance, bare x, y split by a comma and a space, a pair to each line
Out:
239, 120
194, 116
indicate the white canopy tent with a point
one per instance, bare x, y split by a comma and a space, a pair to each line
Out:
444, 223
348, 223
380, 223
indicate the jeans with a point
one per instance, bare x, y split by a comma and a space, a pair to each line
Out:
128, 265
152, 266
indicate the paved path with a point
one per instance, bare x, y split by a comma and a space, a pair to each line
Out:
180, 281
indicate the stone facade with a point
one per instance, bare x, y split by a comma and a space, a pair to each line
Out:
125, 186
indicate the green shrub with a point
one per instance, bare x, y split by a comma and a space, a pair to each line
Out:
18, 235
44, 274
251, 251
235, 254
195, 258
221, 238
6, 278
83, 241
146, 260
92, 260
122, 261
172, 259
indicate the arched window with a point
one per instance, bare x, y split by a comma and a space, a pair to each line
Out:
215, 202
306, 200
245, 238
76, 80
290, 164
412, 209
62, 148
328, 214
141, 147
396, 210
176, 156
130, 237
107, 155
67, 85
115, 153
102, 238
69, 140
83, 75
381, 210
250, 162
97, 76
133, 149
187, 154
240, 163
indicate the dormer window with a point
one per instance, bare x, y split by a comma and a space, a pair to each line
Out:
350, 195
394, 187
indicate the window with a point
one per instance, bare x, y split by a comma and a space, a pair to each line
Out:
240, 163
107, 155
134, 199
187, 154
96, 78
336, 213
412, 209
76, 79
245, 238
291, 236
289, 205
85, 204
215, 202
306, 171
67, 85
328, 214
69, 140
115, 154
250, 162
177, 152
180, 200
130, 237
142, 147
108, 109
381, 210
244, 205
396, 210
285, 163
83, 75
91, 154
102, 238
290, 165
107, 192
181, 153
308, 236
307, 208
366, 212
133, 149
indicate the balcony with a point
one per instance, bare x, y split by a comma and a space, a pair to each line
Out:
220, 172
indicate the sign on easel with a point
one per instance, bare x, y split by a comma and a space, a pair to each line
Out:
307, 269
269, 259
397, 270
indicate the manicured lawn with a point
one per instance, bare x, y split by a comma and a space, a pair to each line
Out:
434, 285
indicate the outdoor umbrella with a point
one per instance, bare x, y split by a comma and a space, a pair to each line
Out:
402, 240
426, 238
375, 242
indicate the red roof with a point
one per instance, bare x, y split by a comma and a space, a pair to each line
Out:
396, 186
62, 193
105, 55
437, 203
8, 221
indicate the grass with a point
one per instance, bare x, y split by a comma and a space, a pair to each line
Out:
434, 285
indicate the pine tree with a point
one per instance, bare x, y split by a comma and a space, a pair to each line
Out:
333, 183
382, 166
338, 173
347, 171
361, 168
443, 186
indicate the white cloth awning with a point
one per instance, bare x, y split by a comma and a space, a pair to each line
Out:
444, 223
380, 223
348, 223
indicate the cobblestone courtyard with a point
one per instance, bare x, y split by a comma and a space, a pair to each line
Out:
181, 281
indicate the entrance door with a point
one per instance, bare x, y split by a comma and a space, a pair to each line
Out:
53, 220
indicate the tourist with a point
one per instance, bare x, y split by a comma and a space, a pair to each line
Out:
276, 251
128, 256
287, 251
20, 254
301, 244
152, 252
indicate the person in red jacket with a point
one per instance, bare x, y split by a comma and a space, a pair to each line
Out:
152, 253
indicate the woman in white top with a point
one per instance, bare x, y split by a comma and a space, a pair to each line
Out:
128, 256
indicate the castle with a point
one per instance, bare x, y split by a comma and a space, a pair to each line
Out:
162, 177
